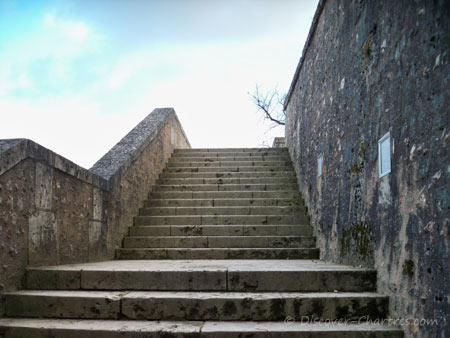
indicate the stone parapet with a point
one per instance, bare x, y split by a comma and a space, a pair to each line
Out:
52, 211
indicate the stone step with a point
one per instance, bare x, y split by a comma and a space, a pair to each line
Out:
229, 169
231, 150
235, 154
184, 211
219, 164
64, 328
225, 187
226, 202
218, 253
164, 305
219, 242
222, 230
260, 180
205, 175
226, 158
223, 194
222, 220
204, 275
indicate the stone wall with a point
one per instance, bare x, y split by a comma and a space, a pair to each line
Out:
368, 68
54, 212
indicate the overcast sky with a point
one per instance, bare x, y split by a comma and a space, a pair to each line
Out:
77, 75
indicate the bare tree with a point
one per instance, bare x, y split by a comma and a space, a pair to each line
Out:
271, 104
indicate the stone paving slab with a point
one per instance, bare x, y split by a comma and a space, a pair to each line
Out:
44, 328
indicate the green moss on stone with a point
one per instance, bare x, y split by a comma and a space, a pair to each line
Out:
366, 48
408, 268
358, 239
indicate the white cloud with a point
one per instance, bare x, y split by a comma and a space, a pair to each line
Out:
77, 31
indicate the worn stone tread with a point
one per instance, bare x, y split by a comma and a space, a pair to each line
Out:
219, 241
225, 187
224, 202
166, 174
230, 150
295, 219
228, 169
206, 275
216, 210
218, 253
223, 194
264, 306
221, 230
63, 328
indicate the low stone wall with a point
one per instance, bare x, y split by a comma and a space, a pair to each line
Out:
52, 211
370, 68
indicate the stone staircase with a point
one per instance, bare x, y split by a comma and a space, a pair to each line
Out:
222, 248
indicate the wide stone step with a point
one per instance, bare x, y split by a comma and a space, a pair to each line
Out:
219, 164
219, 242
251, 174
225, 187
218, 253
180, 211
229, 169
228, 155
221, 230
231, 150
214, 156
222, 220
227, 158
204, 275
227, 202
64, 328
263, 180
223, 194
163, 305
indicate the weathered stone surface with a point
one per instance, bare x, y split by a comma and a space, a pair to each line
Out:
219, 242
54, 212
16, 206
44, 328
64, 304
218, 253
223, 230
370, 68
236, 275
244, 306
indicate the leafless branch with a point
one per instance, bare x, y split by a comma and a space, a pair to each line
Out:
271, 104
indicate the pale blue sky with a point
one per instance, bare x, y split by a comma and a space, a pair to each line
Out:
77, 75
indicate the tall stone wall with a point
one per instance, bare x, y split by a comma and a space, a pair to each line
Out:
54, 212
369, 68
